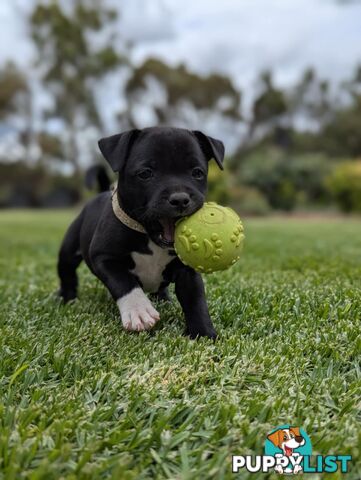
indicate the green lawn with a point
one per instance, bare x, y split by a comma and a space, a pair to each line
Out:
81, 398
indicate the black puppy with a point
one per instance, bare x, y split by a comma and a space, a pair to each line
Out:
127, 239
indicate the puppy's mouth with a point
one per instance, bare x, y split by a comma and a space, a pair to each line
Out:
162, 228
288, 451
166, 235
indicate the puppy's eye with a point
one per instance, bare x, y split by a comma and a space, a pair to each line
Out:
145, 174
197, 173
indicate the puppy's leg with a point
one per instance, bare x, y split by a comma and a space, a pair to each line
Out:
68, 261
136, 310
162, 295
190, 293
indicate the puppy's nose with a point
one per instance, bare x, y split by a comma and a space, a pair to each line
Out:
299, 439
179, 199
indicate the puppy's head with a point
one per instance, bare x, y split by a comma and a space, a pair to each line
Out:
287, 439
162, 175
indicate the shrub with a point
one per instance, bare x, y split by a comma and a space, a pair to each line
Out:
22, 185
284, 178
344, 184
264, 170
218, 180
249, 201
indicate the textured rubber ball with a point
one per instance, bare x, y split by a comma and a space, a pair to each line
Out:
211, 239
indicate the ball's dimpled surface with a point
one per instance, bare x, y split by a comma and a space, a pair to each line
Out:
211, 239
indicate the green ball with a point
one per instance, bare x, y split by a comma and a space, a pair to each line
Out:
209, 240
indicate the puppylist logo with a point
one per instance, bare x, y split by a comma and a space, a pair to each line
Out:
288, 450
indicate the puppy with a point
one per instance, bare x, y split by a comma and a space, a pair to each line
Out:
287, 439
127, 239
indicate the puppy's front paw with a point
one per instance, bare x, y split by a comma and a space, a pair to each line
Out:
136, 311
66, 296
141, 318
201, 332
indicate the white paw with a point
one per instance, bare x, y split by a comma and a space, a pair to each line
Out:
278, 469
137, 311
297, 469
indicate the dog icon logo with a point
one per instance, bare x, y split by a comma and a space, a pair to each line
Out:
289, 444
288, 451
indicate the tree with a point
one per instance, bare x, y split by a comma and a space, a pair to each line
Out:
309, 101
341, 135
181, 93
51, 147
269, 106
16, 103
13, 86
71, 65
340, 125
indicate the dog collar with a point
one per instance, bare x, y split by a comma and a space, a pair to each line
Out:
122, 216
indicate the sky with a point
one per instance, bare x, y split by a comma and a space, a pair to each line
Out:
243, 37
236, 37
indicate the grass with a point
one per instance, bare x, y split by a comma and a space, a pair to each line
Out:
81, 398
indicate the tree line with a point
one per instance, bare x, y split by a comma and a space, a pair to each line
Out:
298, 146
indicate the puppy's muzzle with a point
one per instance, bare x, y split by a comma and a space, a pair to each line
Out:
179, 201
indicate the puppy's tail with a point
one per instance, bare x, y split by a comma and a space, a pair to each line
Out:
96, 177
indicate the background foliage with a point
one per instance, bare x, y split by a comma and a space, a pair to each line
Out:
278, 164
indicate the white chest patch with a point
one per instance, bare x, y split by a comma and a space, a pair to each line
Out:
149, 267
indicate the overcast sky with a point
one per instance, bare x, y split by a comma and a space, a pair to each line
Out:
239, 37
242, 37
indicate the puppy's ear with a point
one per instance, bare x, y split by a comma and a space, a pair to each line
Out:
275, 438
296, 431
116, 148
211, 147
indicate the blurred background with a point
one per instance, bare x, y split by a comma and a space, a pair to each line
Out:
278, 81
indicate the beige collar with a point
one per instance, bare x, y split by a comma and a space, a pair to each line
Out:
122, 216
